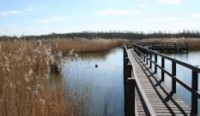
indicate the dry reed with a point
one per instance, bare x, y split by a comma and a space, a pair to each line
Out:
81, 45
24, 88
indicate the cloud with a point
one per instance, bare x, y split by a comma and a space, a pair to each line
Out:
29, 9
173, 2
10, 12
52, 19
15, 12
195, 16
164, 19
143, 5
117, 12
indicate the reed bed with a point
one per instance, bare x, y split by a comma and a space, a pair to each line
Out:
24, 87
81, 45
193, 44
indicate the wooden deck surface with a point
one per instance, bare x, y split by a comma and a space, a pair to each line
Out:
162, 100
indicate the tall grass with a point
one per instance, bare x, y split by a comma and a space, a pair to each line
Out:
81, 45
193, 44
24, 88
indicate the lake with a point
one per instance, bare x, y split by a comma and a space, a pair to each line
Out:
102, 75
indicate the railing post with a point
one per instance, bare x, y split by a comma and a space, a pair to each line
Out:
125, 62
155, 67
150, 60
174, 75
131, 97
127, 67
147, 62
125, 53
194, 98
163, 66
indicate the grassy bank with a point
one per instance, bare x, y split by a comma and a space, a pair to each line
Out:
193, 43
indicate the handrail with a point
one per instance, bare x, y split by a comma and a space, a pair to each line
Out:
172, 59
181, 44
186, 86
143, 52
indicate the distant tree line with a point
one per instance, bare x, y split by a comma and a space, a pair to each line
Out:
112, 35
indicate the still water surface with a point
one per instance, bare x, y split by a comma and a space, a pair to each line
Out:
102, 75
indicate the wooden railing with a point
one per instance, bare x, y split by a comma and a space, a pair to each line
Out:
131, 83
169, 46
146, 55
180, 44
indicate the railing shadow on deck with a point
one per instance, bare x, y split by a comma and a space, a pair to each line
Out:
151, 75
146, 58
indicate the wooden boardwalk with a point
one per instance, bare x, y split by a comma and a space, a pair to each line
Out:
162, 100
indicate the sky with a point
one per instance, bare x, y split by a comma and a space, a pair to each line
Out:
36, 17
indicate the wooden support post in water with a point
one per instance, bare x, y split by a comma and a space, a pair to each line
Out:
174, 75
155, 67
127, 69
163, 66
194, 98
126, 60
131, 96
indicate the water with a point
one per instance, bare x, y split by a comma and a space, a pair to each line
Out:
102, 75
183, 73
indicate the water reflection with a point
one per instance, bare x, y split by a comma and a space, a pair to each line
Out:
104, 83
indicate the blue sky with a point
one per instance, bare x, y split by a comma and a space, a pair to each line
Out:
35, 17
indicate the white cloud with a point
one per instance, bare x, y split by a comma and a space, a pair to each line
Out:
29, 9
195, 16
52, 19
117, 12
143, 5
10, 12
164, 19
170, 1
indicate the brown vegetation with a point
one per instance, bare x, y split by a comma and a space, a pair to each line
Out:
24, 88
81, 45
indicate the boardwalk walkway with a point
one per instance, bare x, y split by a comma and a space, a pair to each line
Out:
160, 97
